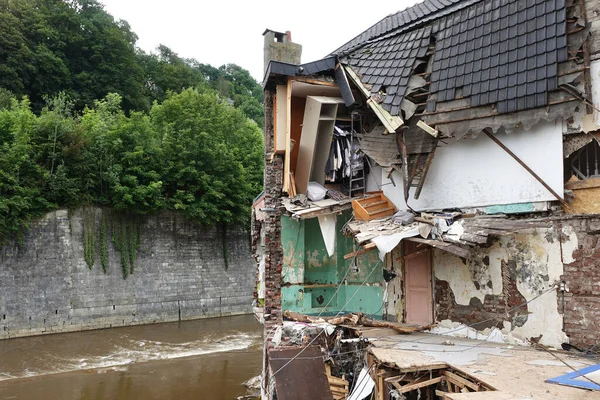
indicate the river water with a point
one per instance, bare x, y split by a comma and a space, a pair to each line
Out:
203, 359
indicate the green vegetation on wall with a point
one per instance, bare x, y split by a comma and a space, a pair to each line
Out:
124, 230
103, 244
89, 236
125, 236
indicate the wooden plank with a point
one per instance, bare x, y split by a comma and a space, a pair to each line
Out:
390, 122
367, 248
419, 385
280, 117
336, 389
427, 128
469, 237
461, 380
336, 381
287, 169
413, 173
447, 247
424, 173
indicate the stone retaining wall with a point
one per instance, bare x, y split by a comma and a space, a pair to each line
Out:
180, 273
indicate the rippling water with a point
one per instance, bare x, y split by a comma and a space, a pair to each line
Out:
203, 359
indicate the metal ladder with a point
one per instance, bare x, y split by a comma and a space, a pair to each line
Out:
359, 180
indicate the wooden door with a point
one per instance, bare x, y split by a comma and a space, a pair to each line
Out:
419, 293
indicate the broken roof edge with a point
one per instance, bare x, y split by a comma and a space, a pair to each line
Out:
281, 68
391, 122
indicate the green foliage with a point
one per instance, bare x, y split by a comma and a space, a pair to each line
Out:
86, 119
103, 244
21, 178
212, 157
89, 236
126, 239
225, 248
76, 47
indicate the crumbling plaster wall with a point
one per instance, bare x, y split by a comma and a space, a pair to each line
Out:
477, 172
513, 270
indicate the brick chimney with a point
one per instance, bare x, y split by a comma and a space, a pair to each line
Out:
279, 47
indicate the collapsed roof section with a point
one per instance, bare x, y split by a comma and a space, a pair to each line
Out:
487, 57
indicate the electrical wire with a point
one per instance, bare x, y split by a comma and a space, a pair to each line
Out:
419, 340
324, 308
541, 346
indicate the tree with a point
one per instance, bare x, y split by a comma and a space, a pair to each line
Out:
212, 156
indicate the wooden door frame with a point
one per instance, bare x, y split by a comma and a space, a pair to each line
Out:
426, 249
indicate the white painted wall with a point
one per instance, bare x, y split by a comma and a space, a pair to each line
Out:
539, 266
477, 172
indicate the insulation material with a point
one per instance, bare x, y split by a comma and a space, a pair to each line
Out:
365, 386
327, 224
408, 107
387, 243
415, 82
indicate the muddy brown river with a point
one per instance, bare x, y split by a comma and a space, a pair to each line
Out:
204, 359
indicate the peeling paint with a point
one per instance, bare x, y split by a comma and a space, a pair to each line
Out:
535, 264
569, 245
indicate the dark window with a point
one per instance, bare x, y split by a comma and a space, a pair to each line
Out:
585, 162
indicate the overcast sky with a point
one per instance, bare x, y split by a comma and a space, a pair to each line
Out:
218, 32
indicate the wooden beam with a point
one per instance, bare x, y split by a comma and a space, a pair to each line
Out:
419, 385
390, 122
425, 171
367, 248
462, 381
427, 129
447, 247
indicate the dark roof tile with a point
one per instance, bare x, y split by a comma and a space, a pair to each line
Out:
503, 51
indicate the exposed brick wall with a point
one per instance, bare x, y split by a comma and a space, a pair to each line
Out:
273, 183
582, 301
493, 309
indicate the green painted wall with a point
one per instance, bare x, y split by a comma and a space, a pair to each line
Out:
306, 264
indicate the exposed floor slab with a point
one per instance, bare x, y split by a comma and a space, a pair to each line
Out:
517, 373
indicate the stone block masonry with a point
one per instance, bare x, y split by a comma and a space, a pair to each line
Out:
180, 274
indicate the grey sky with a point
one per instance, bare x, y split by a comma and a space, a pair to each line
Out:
220, 32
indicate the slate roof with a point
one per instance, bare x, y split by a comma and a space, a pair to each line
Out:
491, 51
504, 52
387, 64
420, 12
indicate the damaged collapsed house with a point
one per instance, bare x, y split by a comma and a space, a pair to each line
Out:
441, 167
